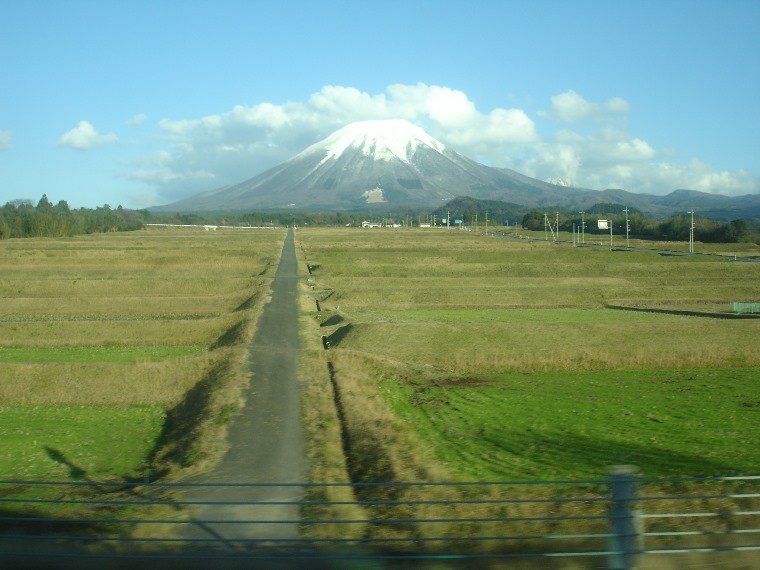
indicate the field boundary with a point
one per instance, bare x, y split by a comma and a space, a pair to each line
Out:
704, 314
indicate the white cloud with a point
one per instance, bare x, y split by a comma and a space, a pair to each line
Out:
570, 107
697, 175
245, 140
84, 137
210, 152
610, 158
341, 105
138, 119
449, 115
447, 107
5, 140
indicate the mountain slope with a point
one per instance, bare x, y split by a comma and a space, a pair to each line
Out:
394, 163
371, 162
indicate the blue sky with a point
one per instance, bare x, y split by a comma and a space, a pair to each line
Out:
144, 102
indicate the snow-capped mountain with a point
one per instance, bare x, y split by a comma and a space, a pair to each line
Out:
371, 162
563, 181
381, 140
395, 163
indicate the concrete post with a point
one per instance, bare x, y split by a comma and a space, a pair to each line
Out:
624, 519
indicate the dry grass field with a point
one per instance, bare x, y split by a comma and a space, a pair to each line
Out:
466, 303
118, 351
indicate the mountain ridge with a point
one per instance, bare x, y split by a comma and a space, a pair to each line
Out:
393, 163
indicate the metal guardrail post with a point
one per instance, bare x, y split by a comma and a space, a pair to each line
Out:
625, 523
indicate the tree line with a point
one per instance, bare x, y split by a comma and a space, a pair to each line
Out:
21, 218
674, 228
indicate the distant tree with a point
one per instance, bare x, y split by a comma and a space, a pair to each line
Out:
5, 228
62, 206
44, 204
641, 225
533, 220
21, 202
738, 231
674, 228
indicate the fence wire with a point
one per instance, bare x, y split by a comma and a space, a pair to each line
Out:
613, 521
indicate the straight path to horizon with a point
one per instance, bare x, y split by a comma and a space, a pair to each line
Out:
266, 439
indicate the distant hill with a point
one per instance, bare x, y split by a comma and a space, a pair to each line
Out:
465, 207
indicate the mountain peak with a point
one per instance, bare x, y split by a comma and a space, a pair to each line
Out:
380, 139
372, 162
564, 181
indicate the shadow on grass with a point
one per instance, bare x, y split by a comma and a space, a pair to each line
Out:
79, 506
704, 314
75, 472
179, 443
232, 336
332, 321
578, 455
247, 304
366, 456
339, 334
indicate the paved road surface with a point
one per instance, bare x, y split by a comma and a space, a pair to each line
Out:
266, 441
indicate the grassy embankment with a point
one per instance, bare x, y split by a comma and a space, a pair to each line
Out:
121, 354
461, 357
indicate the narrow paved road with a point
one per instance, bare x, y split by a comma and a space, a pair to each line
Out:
266, 440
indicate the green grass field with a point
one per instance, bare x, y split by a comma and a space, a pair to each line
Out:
504, 359
548, 425
61, 443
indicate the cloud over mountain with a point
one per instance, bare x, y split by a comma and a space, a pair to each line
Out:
570, 106
594, 147
388, 161
394, 163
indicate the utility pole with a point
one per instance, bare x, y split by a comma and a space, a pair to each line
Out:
547, 222
583, 226
627, 228
691, 231
486, 222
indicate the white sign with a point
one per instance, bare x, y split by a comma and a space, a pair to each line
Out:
603, 224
